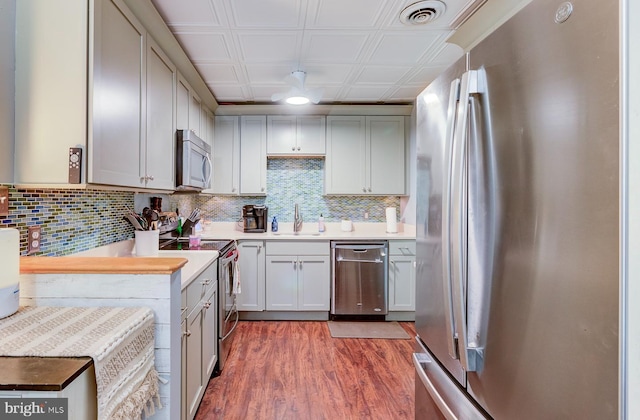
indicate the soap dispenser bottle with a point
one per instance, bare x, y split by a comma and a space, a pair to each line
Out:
274, 225
321, 223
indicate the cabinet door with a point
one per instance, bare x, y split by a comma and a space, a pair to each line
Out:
253, 154
313, 283
183, 100
311, 136
252, 276
345, 162
194, 361
195, 113
209, 336
281, 134
386, 151
226, 155
160, 140
402, 283
282, 283
118, 91
183, 370
51, 88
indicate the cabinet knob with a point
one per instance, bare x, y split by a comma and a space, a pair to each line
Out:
298, 148
150, 178
186, 333
364, 189
207, 305
293, 148
300, 264
294, 264
233, 189
369, 189
206, 282
262, 189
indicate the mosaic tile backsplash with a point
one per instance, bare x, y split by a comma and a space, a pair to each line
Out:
77, 220
291, 181
71, 220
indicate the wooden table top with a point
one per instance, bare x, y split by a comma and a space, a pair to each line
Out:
40, 373
100, 265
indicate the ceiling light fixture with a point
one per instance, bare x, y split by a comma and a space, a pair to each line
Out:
298, 94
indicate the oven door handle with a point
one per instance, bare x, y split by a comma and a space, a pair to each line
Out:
235, 324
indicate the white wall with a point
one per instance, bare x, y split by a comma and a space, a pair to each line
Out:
630, 248
7, 91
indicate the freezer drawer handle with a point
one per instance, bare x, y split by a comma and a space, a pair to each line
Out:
420, 361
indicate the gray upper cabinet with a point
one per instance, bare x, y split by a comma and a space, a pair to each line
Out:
365, 155
159, 148
226, 155
290, 135
114, 95
253, 154
119, 90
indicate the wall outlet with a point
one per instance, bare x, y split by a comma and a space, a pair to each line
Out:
4, 201
34, 239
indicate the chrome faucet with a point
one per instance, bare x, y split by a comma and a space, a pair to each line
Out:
297, 220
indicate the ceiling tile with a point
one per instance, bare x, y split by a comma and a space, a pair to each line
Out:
272, 47
219, 73
381, 74
347, 14
206, 46
395, 48
191, 12
333, 47
279, 14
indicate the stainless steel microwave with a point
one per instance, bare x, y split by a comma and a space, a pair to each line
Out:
193, 166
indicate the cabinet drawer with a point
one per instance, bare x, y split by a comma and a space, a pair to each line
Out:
201, 286
402, 248
298, 248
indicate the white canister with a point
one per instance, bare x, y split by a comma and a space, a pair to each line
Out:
10, 276
147, 243
346, 226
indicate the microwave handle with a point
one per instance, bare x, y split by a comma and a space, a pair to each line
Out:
206, 174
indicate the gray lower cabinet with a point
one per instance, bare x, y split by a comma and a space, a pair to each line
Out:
199, 339
252, 275
297, 276
402, 275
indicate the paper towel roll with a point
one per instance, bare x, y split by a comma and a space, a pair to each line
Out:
392, 222
10, 276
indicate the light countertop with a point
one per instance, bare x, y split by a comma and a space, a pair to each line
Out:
361, 231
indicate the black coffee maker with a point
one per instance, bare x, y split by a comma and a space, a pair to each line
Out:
254, 218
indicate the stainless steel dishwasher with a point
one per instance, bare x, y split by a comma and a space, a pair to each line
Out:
359, 278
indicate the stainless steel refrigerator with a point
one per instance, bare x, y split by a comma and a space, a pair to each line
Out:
517, 222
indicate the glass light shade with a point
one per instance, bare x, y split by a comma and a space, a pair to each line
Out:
297, 100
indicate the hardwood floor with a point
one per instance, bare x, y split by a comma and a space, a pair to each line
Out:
296, 370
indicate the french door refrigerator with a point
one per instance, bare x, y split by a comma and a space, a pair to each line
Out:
517, 222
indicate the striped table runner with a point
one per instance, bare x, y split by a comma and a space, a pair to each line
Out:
120, 341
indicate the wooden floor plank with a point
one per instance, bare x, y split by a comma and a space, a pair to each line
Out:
296, 370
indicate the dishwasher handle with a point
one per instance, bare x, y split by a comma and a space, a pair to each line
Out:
358, 247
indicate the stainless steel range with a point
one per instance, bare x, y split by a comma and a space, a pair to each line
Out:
227, 287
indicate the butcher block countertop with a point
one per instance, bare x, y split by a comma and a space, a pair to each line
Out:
40, 373
100, 265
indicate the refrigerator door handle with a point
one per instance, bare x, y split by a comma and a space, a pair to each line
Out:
454, 96
447, 396
470, 357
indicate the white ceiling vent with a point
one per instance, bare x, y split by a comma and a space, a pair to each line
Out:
422, 12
